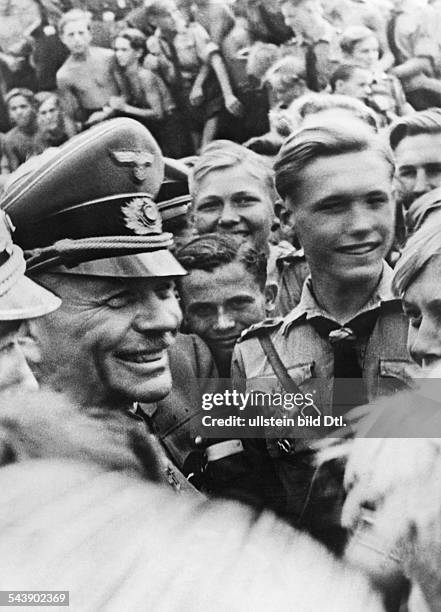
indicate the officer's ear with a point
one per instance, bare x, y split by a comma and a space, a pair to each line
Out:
191, 218
271, 292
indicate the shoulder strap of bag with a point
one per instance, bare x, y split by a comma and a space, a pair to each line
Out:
277, 365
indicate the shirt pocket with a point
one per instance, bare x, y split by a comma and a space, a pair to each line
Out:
276, 401
301, 373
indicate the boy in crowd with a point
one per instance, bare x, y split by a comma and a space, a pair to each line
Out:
224, 293
85, 80
351, 80
233, 193
345, 342
192, 66
416, 142
316, 40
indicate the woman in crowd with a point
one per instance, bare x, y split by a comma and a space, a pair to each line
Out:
19, 142
54, 126
360, 46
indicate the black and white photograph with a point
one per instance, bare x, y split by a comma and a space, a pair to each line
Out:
220, 305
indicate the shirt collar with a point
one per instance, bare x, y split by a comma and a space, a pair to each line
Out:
308, 308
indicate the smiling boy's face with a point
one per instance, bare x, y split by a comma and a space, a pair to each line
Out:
234, 201
343, 215
220, 305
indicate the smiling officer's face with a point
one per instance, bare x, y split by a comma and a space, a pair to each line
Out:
108, 342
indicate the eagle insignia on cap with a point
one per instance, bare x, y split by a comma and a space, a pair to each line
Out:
140, 161
142, 216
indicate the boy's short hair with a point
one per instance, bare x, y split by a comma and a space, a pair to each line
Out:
223, 154
423, 122
344, 72
74, 15
324, 140
420, 249
213, 251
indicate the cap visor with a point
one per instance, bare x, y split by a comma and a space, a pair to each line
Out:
143, 265
27, 300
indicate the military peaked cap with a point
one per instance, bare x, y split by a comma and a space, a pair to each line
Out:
88, 206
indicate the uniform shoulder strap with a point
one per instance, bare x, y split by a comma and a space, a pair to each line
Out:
263, 327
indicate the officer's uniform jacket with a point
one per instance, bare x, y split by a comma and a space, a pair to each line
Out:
174, 419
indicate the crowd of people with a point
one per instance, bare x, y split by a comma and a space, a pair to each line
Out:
197, 71
202, 198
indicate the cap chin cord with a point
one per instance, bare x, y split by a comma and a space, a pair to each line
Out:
69, 252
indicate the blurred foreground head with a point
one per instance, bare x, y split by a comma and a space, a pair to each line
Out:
117, 543
76, 512
393, 502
